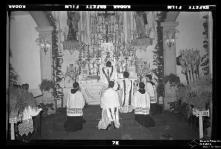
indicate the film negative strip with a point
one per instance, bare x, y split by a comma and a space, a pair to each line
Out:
128, 15
78, 7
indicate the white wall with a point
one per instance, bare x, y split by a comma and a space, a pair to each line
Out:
190, 35
25, 51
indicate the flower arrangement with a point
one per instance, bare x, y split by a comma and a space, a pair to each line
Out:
14, 98
201, 93
205, 59
190, 61
198, 94
182, 92
172, 79
46, 85
158, 59
19, 100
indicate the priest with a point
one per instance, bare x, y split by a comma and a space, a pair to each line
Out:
108, 73
110, 108
127, 93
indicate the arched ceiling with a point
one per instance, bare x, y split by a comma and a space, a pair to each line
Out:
40, 18
171, 16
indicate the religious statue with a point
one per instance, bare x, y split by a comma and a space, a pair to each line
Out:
72, 22
141, 21
146, 68
131, 58
94, 69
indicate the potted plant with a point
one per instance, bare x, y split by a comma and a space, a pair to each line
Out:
171, 82
46, 85
198, 95
173, 79
19, 100
48, 104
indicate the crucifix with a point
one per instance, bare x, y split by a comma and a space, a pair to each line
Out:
106, 16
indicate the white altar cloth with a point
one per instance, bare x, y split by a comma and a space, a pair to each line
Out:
91, 90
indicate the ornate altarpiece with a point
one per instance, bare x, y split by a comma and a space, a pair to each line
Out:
96, 29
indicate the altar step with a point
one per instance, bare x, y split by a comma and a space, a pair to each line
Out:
91, 91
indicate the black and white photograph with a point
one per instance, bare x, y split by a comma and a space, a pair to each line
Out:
109, 75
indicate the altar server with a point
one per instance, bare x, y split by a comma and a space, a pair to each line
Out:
75, 105
141, 106
151, 90
110, 108
127, 93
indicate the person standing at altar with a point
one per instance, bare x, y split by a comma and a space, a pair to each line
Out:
110, 108
108, 73
141, 106
75, 105
127, 93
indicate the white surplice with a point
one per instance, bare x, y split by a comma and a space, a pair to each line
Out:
75, 104
151, 91
141, 103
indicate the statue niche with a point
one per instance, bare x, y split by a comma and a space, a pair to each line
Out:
143, 30
72, 22
141, 22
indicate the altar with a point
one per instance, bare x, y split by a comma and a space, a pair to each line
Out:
105, 38
88, 73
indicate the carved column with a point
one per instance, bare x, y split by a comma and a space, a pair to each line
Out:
169, 59
125, 26
45, 33
46, 62
169, 52
7, 72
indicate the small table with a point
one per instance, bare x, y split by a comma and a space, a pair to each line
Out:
13, 120
200, 114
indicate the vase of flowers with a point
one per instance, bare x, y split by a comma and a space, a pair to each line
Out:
197, 93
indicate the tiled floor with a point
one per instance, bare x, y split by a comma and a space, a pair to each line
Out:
166, 124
